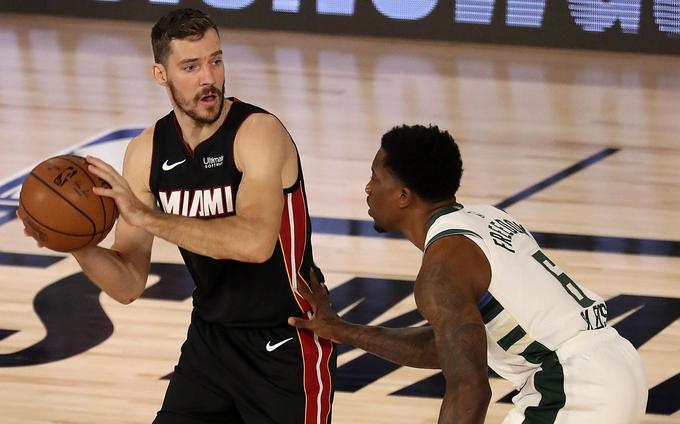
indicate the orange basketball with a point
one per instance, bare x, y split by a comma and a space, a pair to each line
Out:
57, 203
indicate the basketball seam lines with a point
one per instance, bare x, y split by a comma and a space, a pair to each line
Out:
94, 183
21, 204
94, 227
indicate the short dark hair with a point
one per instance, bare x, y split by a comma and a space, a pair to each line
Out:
426, 159
178, 24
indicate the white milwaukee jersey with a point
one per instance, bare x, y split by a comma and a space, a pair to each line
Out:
532, 307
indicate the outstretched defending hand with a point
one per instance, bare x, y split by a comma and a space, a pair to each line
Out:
323, 321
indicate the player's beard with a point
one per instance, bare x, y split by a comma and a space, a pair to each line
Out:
190, 107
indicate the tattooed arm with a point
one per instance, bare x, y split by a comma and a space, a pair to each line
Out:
410, 346
454, 274
413, 347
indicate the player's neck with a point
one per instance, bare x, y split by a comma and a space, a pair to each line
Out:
416, 224
194, 132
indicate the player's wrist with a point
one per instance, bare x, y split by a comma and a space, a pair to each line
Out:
341, 331
148, 219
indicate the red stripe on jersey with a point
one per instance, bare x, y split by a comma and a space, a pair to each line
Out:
293, 239
300, 219
316, 355
327, 350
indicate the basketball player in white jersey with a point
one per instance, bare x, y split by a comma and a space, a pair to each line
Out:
491, 297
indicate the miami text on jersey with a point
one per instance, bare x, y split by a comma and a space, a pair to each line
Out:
208, 202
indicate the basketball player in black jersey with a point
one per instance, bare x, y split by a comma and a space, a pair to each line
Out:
228, 180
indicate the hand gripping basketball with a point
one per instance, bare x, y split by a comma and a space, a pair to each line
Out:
132, 210
60, 210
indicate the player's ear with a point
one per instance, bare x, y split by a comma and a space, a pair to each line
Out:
405, 197
160, 74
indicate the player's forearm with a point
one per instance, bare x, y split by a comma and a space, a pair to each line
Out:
112, 272
413, 347
233, 237
462, 350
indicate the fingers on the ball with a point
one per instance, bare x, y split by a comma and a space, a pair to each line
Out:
34, 235
97, 171
100, 167
93, 159
101, 191
100, 172
100, 164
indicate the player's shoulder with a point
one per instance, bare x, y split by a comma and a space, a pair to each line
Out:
143, 138
459, 256
263, 131
139, 148
458, 220
142, 141
261, 122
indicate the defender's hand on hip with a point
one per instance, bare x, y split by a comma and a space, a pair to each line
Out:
323, 320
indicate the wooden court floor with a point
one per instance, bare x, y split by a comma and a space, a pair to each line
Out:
580, 146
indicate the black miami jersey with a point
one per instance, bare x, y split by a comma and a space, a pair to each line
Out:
204, 184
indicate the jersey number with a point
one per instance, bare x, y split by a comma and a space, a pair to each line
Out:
567, 283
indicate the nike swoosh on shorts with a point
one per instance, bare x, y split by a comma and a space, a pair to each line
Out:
272, 347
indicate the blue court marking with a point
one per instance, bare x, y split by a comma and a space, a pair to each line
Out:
15, 183
115, 135
606, 244
579, 242
364, 228
11, 184
28, 260
349, 227
557, 177
7, 213
9, 205
652, 247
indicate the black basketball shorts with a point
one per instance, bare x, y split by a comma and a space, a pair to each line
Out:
278, 375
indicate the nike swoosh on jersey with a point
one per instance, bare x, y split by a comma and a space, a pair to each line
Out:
272, 347
167, 167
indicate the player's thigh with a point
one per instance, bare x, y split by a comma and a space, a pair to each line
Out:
606, 384
189, 401
281, 375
